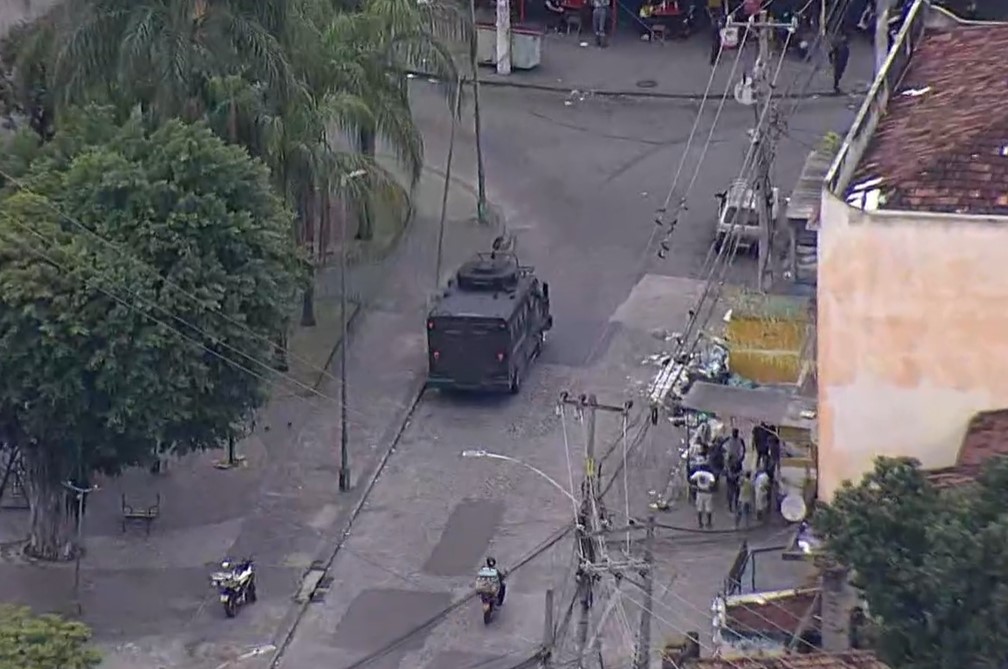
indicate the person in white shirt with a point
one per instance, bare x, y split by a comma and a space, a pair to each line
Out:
704, 482
762, 489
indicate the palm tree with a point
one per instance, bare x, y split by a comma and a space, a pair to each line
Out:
162, 54
368, 53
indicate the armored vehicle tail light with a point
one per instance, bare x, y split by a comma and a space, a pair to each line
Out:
500, 357
430, 325
436, 354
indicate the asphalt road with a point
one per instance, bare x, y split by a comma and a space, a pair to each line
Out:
578, 181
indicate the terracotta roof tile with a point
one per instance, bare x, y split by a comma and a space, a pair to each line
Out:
855, 659
986, 437
772, 615
942, 144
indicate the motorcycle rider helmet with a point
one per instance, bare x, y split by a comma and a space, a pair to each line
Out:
225, 564
491, 563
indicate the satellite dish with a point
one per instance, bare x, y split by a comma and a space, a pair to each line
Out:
793, 508
744, 92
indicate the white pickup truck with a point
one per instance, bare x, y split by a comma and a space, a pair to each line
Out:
738, 216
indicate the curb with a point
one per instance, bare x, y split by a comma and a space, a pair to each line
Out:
614, 92
288, 626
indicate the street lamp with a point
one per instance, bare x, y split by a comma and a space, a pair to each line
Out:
344, 472
543, 475
81, 493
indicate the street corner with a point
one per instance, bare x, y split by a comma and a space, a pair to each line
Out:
644, 330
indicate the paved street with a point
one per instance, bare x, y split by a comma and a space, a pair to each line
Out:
578, 179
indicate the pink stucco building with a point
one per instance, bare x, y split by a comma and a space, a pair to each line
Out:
912, 294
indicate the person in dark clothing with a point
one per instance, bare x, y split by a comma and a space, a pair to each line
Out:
733, 477
716, 25
839, 55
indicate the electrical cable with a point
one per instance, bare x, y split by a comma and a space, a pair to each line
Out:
133, 306
152, 271
444, 613
51, 241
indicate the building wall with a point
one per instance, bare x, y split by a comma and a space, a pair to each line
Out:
912, 334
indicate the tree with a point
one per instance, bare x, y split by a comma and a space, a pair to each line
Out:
144, 277
368, 53
930, 563
28, 641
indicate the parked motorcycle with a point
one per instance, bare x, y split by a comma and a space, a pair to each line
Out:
235, 583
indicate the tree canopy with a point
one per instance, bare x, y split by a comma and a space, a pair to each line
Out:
144, 280
28, 641
930, 563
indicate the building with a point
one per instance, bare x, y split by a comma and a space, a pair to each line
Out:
912, 287
848, 660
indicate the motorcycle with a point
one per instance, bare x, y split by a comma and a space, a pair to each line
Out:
235, 584
490, 588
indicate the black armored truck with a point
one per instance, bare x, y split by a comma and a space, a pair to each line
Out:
488, 325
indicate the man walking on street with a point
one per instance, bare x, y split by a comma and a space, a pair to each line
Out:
704, 481
839, 55
600, 16
746, 499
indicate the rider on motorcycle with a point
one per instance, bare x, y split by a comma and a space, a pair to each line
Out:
491, 571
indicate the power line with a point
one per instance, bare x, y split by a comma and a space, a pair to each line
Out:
153, 272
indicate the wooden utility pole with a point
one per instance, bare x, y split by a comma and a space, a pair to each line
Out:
548, 633
643, 659
481, 201
762, 188
589, 526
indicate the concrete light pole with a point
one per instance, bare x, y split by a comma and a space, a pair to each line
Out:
81, 493
344, 472
507, 458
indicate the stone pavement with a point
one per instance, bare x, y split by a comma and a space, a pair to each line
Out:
675, 69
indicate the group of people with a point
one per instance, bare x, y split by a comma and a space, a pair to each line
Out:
599, 16
748, 477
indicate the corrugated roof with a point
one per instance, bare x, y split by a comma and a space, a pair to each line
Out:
942, 144
855, 659
986, 437
772, 613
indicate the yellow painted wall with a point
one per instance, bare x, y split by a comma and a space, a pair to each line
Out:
767, 348
911, 333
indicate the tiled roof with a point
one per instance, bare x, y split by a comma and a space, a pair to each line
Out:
942, 143
986, 437
854, 659
771, 613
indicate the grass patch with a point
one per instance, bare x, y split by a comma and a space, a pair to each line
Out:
311, 349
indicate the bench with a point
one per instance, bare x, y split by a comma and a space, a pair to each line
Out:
142, 514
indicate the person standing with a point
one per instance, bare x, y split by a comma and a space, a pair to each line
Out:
600, 16
716, 25
839, 55
704, 481
732, 478
744, 507
734, 450
761, 490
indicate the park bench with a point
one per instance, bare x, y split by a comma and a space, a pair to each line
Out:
141, 514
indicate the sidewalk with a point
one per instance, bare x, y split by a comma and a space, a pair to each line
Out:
676, 69
147, 597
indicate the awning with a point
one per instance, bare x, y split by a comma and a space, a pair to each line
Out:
765, 405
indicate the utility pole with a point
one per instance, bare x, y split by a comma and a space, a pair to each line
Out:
643, 659
588, 521
762, 187
503, 37
548, 633
344, 470
81, 493
456, 112
481, 201
881, 33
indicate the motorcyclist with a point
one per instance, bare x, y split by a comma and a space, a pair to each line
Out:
491, 569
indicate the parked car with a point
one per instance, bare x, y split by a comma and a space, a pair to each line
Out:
737, 215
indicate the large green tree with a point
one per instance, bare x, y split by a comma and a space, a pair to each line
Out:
144, 277
931, 563
28, 641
